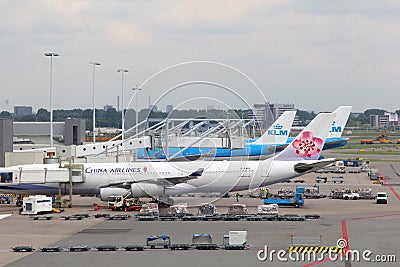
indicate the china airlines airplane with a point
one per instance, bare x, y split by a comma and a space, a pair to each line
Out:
161, 180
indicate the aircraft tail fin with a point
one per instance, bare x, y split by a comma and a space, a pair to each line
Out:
339, 122
279, 130
309, 143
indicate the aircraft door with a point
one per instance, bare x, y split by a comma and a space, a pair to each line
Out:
9, 177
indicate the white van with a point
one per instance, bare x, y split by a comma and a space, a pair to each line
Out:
381, 198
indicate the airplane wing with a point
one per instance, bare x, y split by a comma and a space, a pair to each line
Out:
161, 181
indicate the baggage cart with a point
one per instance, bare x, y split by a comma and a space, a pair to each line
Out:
134, 248
203, 242
23, 249
158, 241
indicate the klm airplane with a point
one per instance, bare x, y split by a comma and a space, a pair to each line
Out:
275, 136
335, 138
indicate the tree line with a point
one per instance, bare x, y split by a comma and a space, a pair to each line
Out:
112, 118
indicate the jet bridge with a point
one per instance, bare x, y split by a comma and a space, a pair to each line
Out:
95, 149
41, 173
13, 179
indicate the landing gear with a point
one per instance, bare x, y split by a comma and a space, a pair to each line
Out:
19, 201
164, 202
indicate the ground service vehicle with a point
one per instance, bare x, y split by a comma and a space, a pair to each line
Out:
337, 179
37, 204
381, 198
124, 202
296, 200
348, 194
319, 179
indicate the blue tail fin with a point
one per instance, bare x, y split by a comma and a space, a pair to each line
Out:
309, 143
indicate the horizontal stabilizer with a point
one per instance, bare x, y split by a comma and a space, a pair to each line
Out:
310, 167
197, 173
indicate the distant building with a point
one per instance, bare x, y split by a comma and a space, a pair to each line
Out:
153, 108
265, 114
374, 120
107, 107
72, 131
210, 107
296, 121
169, 108
22, 110
278, 109
386, 120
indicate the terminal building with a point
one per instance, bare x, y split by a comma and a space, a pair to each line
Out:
22, 110
386, 120
265, 114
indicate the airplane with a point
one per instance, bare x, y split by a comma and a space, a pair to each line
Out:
335, 138
275, 139
161, 180
276, 134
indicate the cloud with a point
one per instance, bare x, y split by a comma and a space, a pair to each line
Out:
125, 34
209, 14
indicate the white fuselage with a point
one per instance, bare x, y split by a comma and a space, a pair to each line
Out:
218, 176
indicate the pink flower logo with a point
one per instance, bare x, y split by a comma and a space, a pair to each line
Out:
308, 145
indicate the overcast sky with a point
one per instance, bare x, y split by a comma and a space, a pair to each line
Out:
315, 54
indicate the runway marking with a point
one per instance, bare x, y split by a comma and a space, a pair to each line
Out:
376, 217
2, 216
345, 235
388, 184
316, 263
392, 189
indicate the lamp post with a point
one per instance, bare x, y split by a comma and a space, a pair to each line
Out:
51, 55
136, 89
122, 101
94, 107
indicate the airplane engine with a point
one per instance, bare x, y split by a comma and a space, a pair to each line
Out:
147, 190
105, 193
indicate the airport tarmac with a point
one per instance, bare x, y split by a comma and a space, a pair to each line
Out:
364, 224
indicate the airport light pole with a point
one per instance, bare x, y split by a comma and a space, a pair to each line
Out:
136, 89
94, 106
51, 55
122, 101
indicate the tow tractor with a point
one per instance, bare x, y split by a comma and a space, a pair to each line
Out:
125, 202
296, 200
